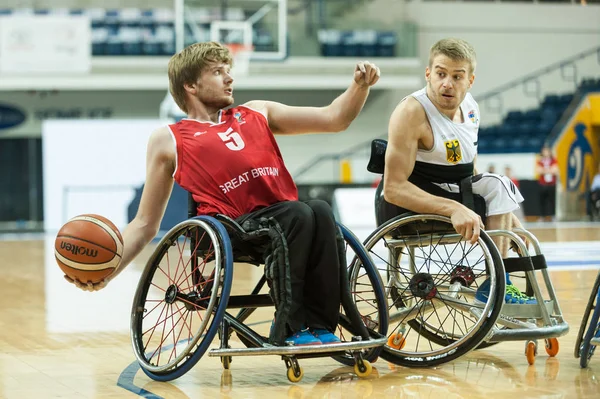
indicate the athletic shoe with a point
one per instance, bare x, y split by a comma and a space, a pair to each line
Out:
302, 337
325, 336
513, 294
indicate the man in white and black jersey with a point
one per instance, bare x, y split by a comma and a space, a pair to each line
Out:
432, 147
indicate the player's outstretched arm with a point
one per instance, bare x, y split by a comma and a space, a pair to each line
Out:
407, 123
160, 166
335, 117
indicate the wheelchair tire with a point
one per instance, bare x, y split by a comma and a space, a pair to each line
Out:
589, 326
370, 302
187, 303
431, 288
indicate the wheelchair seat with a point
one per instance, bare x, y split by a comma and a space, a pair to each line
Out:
249, 243
385, 211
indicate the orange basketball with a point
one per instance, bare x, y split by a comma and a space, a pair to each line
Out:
88, 248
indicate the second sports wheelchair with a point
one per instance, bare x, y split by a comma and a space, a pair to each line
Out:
432, 276
588, 337
184, 298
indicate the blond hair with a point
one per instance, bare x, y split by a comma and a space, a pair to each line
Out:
456, 50
187, 65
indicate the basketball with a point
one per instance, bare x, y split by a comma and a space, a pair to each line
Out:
88, 248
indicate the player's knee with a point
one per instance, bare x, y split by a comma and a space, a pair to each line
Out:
321, 209
302, 213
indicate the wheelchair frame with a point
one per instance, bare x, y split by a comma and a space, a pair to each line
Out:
224, 234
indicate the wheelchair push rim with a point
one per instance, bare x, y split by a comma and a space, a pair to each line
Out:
434, 316
590, 327
367, 296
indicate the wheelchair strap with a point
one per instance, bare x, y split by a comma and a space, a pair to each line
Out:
466, 192
523, 264
277, 272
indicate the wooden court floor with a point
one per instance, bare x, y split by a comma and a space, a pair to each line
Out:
58, 342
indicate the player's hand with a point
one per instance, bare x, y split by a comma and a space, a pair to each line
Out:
89, 286
467, 223
366, 74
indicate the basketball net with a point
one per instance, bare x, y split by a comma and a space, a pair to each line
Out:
241, 54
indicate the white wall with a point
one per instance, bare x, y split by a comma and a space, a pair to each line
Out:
93, 167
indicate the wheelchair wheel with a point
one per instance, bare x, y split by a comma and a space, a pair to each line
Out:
589, 327
368, 298
181, 298
433, 275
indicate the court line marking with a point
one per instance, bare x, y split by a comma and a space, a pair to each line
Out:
126, 377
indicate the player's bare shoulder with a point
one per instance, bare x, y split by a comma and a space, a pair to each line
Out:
258, 105
161, 144
409, 119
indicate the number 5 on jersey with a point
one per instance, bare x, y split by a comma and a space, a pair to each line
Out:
232, 140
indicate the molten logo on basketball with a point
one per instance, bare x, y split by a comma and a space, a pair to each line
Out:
77, 250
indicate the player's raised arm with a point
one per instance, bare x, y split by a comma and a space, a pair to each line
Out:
335, 117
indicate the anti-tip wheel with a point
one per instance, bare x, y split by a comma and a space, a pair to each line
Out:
530, 352
552, 347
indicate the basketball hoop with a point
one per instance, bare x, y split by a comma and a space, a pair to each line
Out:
241, 54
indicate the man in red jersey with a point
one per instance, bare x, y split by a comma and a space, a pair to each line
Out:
230, 162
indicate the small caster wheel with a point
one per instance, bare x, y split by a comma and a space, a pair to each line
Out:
295, 376
552, 347
226, 361
396, 341
363, 368
530, 352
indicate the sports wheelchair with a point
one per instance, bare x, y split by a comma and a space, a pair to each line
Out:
588, 336
432, 276
184, 298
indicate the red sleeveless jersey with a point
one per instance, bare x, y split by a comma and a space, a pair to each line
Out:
232, 167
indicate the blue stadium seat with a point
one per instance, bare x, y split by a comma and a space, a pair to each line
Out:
513, 116
99, 39
386, 44
112, 21
131, 40
367, 42
499, 145
165, 38
549, 115
532, 115
331, 42
350, 44
130, 18
97, 17
534, 144
483, 145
